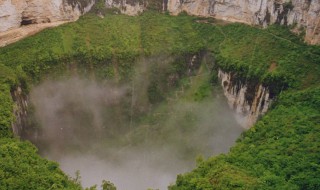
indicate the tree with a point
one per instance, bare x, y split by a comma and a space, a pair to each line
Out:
107, 185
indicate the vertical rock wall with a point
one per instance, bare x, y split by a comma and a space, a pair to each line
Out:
20, 111
305, 14
249, 100
15, 13
129, 7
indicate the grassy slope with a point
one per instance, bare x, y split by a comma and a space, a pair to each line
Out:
270, 155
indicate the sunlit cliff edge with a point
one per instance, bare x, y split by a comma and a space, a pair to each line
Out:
19, 19
302, 15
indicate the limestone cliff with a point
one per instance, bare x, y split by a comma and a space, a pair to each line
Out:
129, 7
249, 100
303, 14
20, 111
15, 13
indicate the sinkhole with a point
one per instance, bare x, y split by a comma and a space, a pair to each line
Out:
139, 131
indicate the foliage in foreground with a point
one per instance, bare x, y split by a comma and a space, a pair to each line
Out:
22, 168
280, 152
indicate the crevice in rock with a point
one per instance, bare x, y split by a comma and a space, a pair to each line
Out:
27, 21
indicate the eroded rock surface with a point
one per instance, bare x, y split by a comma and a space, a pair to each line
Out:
129, 7
303, 14
16, 13
249, 100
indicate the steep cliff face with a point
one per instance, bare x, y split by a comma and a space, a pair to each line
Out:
129, 7
15, 13
249, 100
134, 7
20, 111
302, 13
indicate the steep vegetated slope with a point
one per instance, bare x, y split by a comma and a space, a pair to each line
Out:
279, 152
20, 165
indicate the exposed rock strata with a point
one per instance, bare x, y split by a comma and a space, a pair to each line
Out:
129, 7
17, 34
15, 13
250, 101
303, 14
20, 111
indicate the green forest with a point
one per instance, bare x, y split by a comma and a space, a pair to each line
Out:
281, 151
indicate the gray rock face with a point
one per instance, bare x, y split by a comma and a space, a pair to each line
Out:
15, 13
129, 7
250, 101
20, 110
304, 14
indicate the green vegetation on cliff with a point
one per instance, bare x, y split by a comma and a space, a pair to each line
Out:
22, 168
280, 152
104, 48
